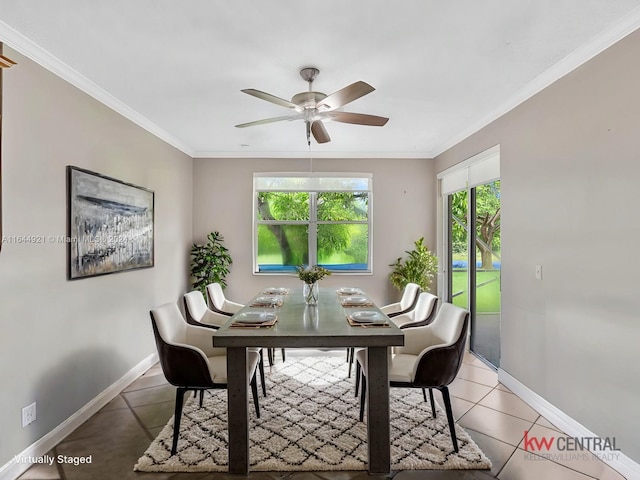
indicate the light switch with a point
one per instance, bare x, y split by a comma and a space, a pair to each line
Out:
538, 272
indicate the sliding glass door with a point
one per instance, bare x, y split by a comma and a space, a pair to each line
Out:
485, 280
473, 253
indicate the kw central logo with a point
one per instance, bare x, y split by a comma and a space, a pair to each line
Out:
568, 444
532, 444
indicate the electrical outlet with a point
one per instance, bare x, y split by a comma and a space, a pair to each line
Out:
29, 414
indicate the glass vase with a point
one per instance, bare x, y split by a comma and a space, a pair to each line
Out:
310, 291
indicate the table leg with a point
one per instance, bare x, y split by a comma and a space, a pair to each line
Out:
378, 429
238, 410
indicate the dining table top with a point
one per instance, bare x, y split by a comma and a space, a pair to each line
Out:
324, 325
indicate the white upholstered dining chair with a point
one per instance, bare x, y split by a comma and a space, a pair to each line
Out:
190, 362
405, 307
407, 301
423, 313
198, 314
221, 305
219, 302
430, 358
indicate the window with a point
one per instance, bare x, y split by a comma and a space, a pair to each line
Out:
308, 219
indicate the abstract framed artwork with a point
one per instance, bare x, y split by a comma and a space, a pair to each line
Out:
109, 225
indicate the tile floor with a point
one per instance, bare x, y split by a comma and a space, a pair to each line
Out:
494, 417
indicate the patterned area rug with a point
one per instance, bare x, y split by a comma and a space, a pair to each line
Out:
309, 422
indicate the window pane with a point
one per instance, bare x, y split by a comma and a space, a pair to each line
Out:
282, 247
485, 314
343, 206
459, 250
343, 246
284, 206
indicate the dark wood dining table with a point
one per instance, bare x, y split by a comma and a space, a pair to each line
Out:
303, 326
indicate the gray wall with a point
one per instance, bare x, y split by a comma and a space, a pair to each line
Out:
403, 211
63, 342
570, 166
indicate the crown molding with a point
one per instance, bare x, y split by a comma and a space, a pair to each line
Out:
305, 154
628, 24
18, 42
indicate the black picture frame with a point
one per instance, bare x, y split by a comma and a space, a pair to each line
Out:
110, 225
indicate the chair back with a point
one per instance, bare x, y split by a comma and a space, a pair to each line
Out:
181, 364
425, 310
195, 307
170, 323
448, 323
439, 365
423, 313
409, 296
217, 298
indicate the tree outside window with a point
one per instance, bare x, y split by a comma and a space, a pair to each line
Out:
487, 222
328, 228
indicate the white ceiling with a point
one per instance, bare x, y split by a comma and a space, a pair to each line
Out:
441, 70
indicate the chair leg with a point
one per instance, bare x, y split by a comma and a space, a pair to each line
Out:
177, 415
262, 379
447, 406
270, 356
201, 397
424, 394
433, 403
254, 394
357, 377
351, 352
363, 396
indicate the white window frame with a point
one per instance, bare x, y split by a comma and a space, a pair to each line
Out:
312, 183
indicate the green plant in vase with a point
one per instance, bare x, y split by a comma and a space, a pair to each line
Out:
311, 275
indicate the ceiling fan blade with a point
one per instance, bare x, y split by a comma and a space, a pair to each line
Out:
270, 98
319, 132
358, 118
346, 95
269, 120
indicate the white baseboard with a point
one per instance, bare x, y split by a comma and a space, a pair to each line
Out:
13, 469
568, 425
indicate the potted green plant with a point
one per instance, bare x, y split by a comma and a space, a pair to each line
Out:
419, 267
210, 263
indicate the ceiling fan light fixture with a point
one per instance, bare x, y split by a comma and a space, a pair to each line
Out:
315, 107
307, 99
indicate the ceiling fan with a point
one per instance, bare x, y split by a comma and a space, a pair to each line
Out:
314, 107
